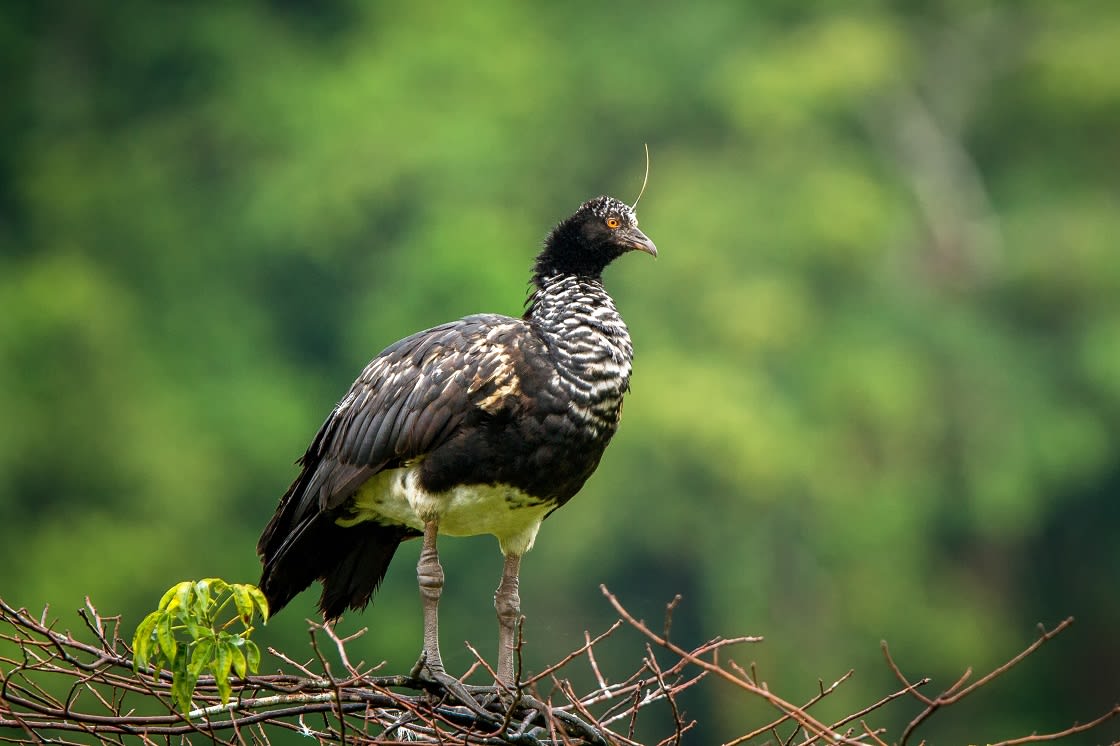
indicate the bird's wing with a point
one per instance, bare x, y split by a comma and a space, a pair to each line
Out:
407, 401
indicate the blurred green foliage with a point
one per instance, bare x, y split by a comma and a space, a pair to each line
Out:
877, 388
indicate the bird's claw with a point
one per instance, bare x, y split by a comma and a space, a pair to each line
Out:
503, 699
452, 688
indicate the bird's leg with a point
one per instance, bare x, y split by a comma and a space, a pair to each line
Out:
507, 602
429, 574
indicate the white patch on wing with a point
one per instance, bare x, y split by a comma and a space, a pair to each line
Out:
507, 384
395, 496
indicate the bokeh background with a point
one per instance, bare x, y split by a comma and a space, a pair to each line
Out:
877, 387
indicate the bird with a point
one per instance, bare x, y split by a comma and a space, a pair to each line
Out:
484, 425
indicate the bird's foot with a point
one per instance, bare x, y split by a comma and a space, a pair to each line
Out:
447, 686
523, 713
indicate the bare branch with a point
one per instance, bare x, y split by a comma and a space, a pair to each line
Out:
55, 687
955, 693
1070, 731
803, 718
585, 648
785, 718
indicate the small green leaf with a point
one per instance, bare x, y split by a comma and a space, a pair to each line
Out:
142, 640
182, 601
172, 593
166, 638
202, 598
139, 657
258, 596
244, 602
201, 654
252, 656
222, 660
240, 665
182, 684
217, 586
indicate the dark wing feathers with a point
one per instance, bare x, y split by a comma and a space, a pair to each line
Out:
407, 401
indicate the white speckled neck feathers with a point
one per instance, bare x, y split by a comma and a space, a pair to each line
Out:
591, 347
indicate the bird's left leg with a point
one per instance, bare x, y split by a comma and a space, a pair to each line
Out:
507, 602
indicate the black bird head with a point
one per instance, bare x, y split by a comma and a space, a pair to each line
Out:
600, 231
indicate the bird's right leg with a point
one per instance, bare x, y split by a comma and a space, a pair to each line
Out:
429, 575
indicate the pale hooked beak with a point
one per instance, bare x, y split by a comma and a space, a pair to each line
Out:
635, 239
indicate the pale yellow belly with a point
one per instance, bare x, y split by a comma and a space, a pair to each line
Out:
394, 496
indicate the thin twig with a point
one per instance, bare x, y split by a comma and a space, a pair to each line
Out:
955, 693
804, 719
585, 648
1072, 730
824, 692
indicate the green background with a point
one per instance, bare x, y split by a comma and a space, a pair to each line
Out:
877, 385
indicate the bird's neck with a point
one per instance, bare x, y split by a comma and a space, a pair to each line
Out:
576, 318
564, 302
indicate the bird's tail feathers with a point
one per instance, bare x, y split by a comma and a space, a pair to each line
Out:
355, 577
351, 562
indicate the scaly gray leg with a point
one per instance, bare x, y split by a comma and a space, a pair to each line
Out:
507, 602
429, 574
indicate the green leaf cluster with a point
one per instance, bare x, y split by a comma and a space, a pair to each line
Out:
190, 633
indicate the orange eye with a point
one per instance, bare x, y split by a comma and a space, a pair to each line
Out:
613, 223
